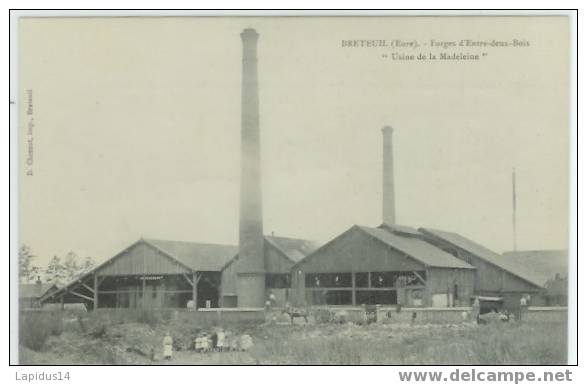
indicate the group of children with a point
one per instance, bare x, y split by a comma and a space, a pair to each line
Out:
216, 341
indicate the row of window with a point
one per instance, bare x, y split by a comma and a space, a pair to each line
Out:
345, 297
377, 279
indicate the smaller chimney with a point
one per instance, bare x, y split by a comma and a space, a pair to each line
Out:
388, 184
38, 286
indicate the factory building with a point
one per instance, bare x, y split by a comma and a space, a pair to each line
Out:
387, 265
153, 274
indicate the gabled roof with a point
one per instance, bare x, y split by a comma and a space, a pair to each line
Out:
294, 248
198, 256
545, 264
31, 290
511, 265
416, 248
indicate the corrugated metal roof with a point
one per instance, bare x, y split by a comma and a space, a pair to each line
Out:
544, 263
198, 256
417, 248
31, 290
294, 248
512, 265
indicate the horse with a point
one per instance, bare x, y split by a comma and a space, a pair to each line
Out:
293, 313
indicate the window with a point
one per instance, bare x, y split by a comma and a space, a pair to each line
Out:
389, 279
329, 280
362, 279
383, 279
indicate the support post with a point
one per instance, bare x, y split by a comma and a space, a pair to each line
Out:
353, 275
220, 292
95, 291
195, 290
427, 300
143, 302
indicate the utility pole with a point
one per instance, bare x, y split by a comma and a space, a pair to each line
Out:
514, 214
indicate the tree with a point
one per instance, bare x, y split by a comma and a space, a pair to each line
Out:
87, 265
62, 272
56, 272
71, 266
27, 272
74, 268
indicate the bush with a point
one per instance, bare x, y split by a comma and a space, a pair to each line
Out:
105, 354
55, 324
36, 327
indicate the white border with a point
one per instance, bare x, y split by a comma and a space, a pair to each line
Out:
343, 375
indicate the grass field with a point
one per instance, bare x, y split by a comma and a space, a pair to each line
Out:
139, 342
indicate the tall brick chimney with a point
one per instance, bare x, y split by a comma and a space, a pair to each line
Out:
251, 265
388, 184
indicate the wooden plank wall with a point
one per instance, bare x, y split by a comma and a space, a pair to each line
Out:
356, 251
142, 259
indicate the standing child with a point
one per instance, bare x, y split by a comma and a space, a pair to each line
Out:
476, 310
167, 346
523, 306
205, 342
220, 340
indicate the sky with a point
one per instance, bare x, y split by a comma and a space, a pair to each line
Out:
137, 129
